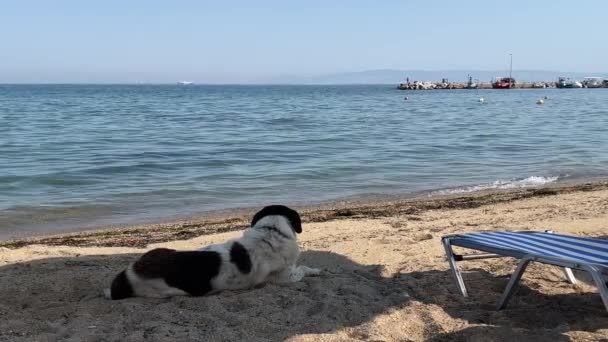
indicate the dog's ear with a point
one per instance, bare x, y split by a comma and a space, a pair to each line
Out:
288, 213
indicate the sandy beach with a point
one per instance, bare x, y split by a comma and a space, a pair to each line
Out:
384, 278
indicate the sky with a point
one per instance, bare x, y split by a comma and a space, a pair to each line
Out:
263, 40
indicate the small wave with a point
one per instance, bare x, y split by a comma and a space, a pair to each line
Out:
531, 181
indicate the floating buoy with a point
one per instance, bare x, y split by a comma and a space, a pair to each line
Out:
406, 98
481, 100
546, 97
540, 101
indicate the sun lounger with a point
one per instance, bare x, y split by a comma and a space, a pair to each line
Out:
570, 252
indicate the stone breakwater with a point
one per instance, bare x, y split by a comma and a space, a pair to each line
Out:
419, 85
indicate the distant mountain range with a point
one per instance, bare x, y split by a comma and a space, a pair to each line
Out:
388, 76
382, 76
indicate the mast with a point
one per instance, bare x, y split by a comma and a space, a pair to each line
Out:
511, 71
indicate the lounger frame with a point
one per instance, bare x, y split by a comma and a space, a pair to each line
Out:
596, 271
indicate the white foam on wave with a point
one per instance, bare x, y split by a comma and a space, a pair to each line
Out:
531, 181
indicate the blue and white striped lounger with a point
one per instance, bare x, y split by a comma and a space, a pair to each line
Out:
570, 252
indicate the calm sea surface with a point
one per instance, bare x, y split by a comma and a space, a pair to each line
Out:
76, 156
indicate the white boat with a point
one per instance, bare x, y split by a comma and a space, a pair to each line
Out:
568, 83
593, 82
185, 83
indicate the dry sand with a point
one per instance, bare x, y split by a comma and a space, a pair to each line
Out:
385, 279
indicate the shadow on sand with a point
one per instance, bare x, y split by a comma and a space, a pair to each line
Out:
60, 299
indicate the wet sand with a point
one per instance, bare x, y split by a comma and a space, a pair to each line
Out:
385, 277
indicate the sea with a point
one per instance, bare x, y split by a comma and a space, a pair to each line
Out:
74, 157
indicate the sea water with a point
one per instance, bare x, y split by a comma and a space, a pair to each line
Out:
77, 156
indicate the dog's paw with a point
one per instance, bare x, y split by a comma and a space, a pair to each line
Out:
313, 271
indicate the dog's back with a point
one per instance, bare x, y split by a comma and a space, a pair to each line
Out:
166, 272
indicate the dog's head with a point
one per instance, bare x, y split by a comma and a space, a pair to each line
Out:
280, 210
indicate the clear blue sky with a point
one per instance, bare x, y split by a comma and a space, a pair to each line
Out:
224, 41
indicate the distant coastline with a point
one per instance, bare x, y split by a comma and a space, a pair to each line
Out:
367, 77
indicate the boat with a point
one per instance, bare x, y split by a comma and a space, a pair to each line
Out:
185, 83
503, 83
563, 82
470, 84
593, 82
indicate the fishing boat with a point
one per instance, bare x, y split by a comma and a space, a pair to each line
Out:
505, 82
470, 84
185, 83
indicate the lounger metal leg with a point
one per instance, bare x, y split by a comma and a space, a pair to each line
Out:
567, 270
600, 283
519, 271
455, 271
570, 275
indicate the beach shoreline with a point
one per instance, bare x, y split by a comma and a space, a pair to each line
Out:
361, 207
47, 220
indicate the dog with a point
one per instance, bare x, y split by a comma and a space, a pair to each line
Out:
267, 251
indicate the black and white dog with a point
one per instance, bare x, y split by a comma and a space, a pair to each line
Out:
268, 251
